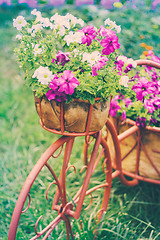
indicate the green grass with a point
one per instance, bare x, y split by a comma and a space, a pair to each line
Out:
133, 212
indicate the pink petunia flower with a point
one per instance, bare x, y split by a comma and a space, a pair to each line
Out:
127, 102
110, 42
60, 87
119, 64
148, 104
103, 61
142, 88
156, 103
114, 107
67, 82
123, 115
89, 34
103, 31
56, 95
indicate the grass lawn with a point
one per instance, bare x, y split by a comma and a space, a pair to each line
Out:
133, 212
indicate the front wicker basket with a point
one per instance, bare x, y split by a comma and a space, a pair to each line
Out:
74, 116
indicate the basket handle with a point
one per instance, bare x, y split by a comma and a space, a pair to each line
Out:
148, 63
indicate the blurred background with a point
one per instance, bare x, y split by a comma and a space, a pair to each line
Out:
133, 213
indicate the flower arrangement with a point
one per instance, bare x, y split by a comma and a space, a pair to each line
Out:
140, 100
64, 59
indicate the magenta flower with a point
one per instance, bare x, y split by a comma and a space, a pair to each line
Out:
53, 93
123, 115
142, 88
103, 31
156, 102
128, 68
119, 96
152, 121
31, 3
141, 122
155, 3
110, 42
8, 2
114, 107
56, 95
67, 82
81, 2
61, 58
119, 64
127, 102
148, 104
61, 86
99, 65
89, 34
54, 83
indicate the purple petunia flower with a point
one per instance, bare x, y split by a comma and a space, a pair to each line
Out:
67, 82
141, 122
61, 58
114, 107
89, 34
142, 88
110, 42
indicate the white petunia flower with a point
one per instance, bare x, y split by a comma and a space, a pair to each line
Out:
45, 22
73, 37
112, 25
91, 58
74, 20
34, 29
123, 58
36, 13
108, 22
131, 61
19, 22
43, 74
62, 31
60, 21
127, 61
124, 81
37, 49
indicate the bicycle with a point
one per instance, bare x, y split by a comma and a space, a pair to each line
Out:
72, 207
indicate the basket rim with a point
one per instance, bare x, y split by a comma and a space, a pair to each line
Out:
154, 129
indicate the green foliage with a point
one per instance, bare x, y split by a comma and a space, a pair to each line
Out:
49, 42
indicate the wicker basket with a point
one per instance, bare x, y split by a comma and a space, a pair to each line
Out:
140, 152
73, 116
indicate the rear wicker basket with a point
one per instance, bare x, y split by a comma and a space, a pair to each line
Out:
140, 152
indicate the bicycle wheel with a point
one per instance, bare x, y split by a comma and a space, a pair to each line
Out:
31, 179
65, 208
